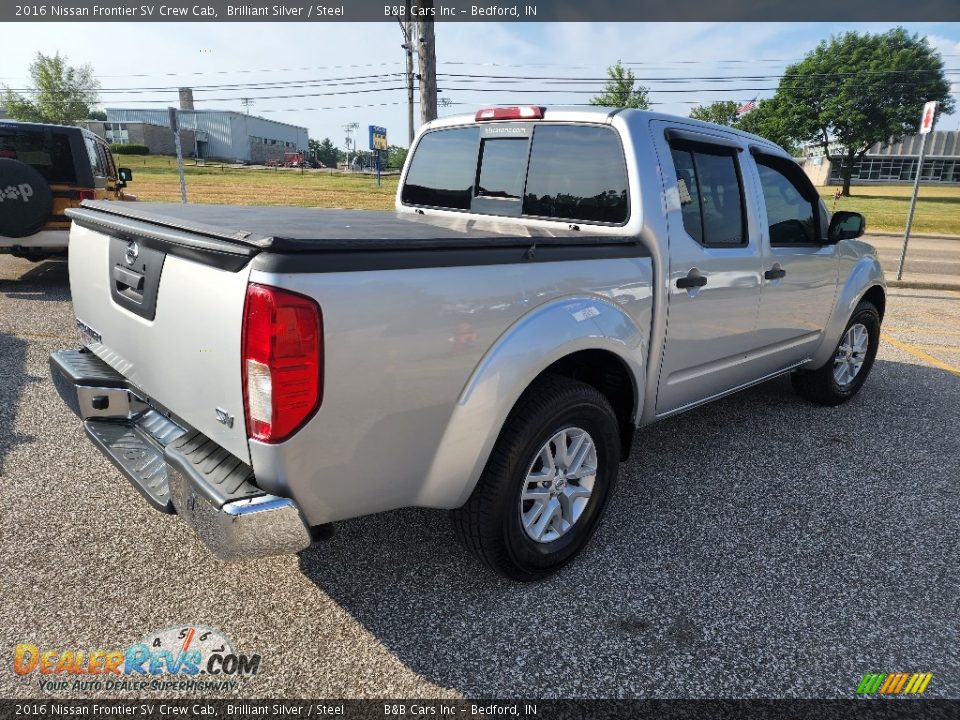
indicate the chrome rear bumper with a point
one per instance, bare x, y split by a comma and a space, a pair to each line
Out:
176, 468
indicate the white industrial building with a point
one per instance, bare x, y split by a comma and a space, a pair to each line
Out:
217, 134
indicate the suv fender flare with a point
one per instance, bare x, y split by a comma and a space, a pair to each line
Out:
864, 274
533, 343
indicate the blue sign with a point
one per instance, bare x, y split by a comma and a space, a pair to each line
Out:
378, 138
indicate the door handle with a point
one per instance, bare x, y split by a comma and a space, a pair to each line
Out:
691, 281
775, 273
128, 278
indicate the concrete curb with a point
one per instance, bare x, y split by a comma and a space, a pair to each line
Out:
921, 285
913, 235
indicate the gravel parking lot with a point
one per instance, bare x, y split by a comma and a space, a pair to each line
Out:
757, 547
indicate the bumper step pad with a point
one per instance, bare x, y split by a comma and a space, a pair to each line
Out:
136, 457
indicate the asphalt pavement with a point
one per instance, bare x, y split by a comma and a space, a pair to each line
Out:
757, 547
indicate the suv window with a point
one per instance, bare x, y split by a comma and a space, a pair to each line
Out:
97, 163
444, 169
576, 172
791, 211
107, 159
711, 194
46, 151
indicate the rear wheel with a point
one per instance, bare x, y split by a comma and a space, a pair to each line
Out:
843, 376
546, 484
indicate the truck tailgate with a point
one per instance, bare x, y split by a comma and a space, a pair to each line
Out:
168, 322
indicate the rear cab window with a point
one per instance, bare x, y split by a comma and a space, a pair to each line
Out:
556, 171
46, 150
710, 187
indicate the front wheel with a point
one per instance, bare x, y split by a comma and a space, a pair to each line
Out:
546, 483
843, 376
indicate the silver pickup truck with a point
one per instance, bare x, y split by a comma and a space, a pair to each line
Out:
551, 281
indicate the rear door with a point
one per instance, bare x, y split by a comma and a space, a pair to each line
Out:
800, 268
715, 268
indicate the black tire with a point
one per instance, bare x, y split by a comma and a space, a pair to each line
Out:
26, 201
820, 386
490, 524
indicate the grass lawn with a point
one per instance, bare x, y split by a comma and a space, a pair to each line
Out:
155, 178
886, 207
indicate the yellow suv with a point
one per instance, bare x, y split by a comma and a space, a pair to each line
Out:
45, 169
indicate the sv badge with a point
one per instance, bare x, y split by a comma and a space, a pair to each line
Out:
224, 417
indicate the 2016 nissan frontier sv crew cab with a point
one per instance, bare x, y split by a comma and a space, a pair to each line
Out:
551, 280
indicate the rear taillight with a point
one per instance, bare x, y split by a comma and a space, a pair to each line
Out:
87, 194
282, 362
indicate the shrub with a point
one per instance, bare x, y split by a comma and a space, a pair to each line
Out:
128, 149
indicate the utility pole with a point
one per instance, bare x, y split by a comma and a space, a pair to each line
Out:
175, 126
350, 129
428, 66
407, 27
247, 104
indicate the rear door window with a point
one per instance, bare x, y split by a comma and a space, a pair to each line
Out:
45, 150
443, 170
711, 194
577, 172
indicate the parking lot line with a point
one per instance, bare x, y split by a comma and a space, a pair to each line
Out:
920, 354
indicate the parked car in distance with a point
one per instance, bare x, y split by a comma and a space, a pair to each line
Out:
494, 347
45, 169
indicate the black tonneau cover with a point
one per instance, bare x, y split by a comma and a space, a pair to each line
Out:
311, 230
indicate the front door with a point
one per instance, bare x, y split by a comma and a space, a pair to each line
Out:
715, 269
800, 268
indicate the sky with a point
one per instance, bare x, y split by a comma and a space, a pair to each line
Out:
360, 65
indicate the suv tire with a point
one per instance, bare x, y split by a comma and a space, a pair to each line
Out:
26, 201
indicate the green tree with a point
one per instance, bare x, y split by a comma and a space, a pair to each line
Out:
97, 115
396, 156
622, 90
768, 121
324, 152
722, 112
59, 94
763, 120
857, 90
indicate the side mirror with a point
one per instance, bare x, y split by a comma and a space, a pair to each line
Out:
846, 226
125, 174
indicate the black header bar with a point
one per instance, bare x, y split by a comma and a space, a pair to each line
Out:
481, 11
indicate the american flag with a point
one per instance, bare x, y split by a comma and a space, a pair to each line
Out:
747, 107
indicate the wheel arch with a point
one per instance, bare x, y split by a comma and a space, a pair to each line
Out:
609, 375
588, 338
864, 281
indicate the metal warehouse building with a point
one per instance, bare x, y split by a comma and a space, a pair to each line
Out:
220, 134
